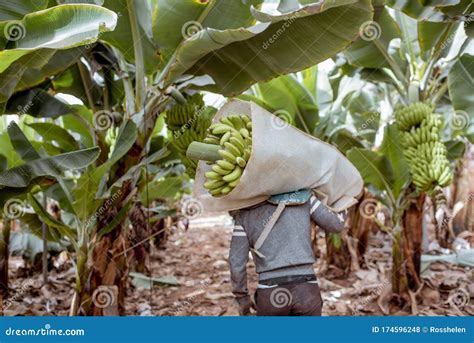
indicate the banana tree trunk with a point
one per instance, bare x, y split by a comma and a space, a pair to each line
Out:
407, 250
463, 194
338, 255
360, 226
4, 254
350, 254
412, 241
108, 276
81, 297
138, 237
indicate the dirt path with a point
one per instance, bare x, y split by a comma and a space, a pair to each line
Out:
197, 258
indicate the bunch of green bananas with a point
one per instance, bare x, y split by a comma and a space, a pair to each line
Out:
234, 136
188, 122
184, 114
111, 136
423, 149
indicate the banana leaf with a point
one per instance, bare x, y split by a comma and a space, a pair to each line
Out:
21, 144
54, 133
285, 93
55, 66
371, 49
375, 169
461, 86
37, 103
15, 10
3, 163
59, 27
33, 40
433, 11
23, 175
289, 42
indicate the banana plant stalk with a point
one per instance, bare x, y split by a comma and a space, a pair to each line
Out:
4, 254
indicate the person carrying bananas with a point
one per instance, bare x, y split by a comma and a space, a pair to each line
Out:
277, 233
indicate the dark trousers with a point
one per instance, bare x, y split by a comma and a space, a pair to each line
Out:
297, 299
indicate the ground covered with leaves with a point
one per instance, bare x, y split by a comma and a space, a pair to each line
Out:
191, 278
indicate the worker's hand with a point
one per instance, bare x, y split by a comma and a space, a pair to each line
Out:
245, 304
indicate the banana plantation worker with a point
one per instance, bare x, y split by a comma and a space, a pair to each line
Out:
278, 234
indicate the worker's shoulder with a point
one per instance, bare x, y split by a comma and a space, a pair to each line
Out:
294, 198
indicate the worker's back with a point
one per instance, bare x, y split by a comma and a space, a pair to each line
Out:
279, 238
287, 249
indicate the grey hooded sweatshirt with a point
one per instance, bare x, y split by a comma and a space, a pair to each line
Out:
287, 250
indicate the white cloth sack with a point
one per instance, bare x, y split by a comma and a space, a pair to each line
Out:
284, 159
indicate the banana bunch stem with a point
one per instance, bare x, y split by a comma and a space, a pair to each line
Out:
203, 151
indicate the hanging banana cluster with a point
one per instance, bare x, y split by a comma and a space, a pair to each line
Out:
111, 137
233, 134
423, 149
188, 122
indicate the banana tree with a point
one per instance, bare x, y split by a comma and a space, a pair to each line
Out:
26, 46
416, 51
35, 174
157, 48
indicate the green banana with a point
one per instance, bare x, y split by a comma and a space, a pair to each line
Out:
241, 162
225, 138
245, 133
214, 184
233, 175
221, 129
211, 175
227, 156
219, 170
226, 121
234, 183
238, 143
226, 190
217, 191
189, 122
232, 149
226, 164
